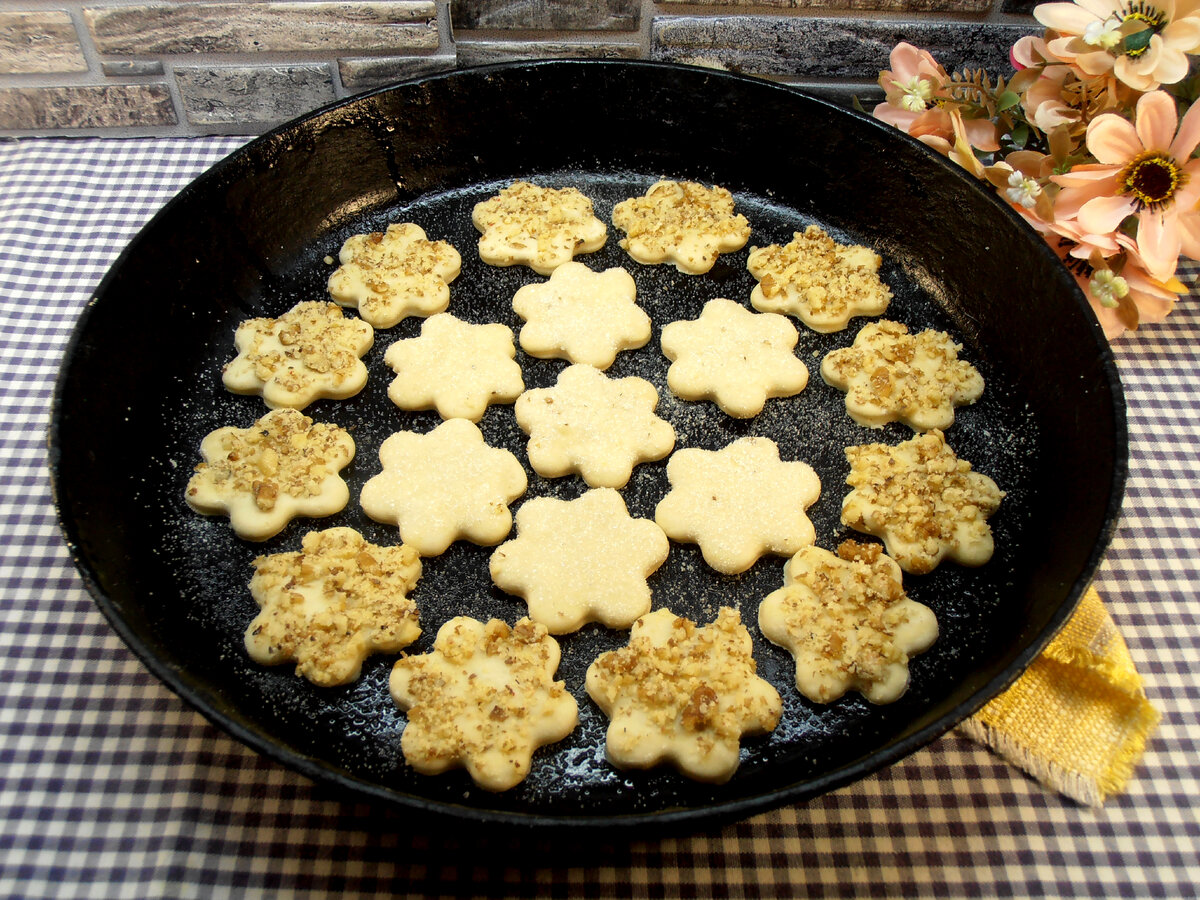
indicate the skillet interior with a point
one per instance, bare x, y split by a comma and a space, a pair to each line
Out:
140, 388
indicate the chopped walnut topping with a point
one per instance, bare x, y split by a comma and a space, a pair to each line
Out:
890, 375
681, 222
484, 698
683, 693
333, 603
923, 501
817, 280
847, 622
536, 226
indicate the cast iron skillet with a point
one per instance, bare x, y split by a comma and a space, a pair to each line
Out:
140, 387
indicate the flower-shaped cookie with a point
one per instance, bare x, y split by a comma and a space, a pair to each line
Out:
738, 503
734, 357
332, 604
890, 375
263, 476
390, 276
817, 280
597, 426
537, 226
579, 561
455, 367
681, 222
311, 351
581, 315
847, 622
484, 699
923, 502
683, 694
444, 485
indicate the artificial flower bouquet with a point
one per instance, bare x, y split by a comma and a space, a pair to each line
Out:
1091, 140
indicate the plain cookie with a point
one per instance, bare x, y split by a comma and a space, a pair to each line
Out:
537, 226
681, 222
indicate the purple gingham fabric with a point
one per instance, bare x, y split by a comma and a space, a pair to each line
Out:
111, 788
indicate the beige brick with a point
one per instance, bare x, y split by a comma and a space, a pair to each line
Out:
384, 26
86, 106
366, 73
963, 6
43, 42
557, 15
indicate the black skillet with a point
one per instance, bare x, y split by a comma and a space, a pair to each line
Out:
140, 387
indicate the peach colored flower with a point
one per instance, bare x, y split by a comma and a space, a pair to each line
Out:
1143, 169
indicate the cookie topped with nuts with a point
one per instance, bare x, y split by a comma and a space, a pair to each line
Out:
681, 222
890, 375
922, 501
394, 274
332, 604
579, 561
485, 699
309, 352
455, 367
684, 694
847, 622
817, 280
281, 467
540, 227
582, 316
734, 357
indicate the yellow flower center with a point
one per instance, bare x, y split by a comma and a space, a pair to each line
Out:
1149, 15
1153, 178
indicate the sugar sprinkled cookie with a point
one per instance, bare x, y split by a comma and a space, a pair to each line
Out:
734, 357
847, 622
391, 275
922, 501
582, 316
817, 280
596, 426
681, 222
485, 699
579, 561
683, 694
333, 603
738, 503
309, 352
455, 367
539, 227
281, 467
443, 486
890, 375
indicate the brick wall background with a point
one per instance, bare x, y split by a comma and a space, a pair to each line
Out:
178, 67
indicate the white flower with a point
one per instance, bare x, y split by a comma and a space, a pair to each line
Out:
1023, 190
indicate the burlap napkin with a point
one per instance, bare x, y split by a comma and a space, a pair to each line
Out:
1078, 718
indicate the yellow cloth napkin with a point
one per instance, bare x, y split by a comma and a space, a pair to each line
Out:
1077, 719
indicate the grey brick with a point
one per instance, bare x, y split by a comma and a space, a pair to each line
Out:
962, 6
368, 73
131, 68
478, 53
385, 26
252, 95
86, 106
827, 48
39, 42
558, 15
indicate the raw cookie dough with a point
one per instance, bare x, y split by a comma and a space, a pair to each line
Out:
443, 486
455, 367
391, 275
332, 604
681, 222
733, 357
597, 426
579, 561
281, 467
581, 316
817, 280
485, 698
923, 502
309, 352
890, 375
847, 622
738, 503
684, 694
537, 226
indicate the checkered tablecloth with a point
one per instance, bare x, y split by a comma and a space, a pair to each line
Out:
111, 788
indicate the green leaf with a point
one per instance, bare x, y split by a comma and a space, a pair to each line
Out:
1135, 44
1020, 134
1007, 100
